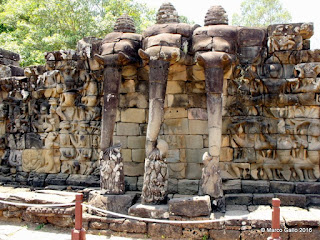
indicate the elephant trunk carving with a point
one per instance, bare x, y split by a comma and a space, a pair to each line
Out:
156, 172
214, 63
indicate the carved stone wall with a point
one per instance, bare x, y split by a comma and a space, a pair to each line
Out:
50, 119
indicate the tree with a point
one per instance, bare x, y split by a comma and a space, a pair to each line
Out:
261, 13
32, 27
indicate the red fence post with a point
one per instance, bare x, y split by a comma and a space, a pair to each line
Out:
78, 233
275, 235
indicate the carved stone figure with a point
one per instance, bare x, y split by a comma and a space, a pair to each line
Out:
118, 48
162, 46
216, 62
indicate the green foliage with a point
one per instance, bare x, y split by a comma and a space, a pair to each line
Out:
40, 226
261, 13
33, 27
205, 237
184, 19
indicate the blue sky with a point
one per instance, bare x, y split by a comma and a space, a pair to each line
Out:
301, 11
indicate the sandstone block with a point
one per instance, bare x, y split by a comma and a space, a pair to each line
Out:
197, 114
157, 230
313, 199
133, 115
56, 179
195, 233
136, 141
188, 187
138, 155
287, 199
226, 154
198, 127
239, 199
76, 180
123, 140
194, 171
308, 187
198, 100
114, 203
177, 72
249, 186
175, 141
195, 155
176, 126
172, 185
282, 187
175, 113
128, 129
133, 169
149, 211
129, 226
177, 100
194, 141
232, 186
174, 87
136, 99
173, 156
190, 207
196, 87
262, 199
126, 155
131, 183
177, 170
98, 225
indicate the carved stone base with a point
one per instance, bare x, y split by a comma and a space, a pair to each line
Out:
155, 185
211, 182
111, 171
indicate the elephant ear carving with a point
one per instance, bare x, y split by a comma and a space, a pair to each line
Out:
99, 59
144, 56
123, 58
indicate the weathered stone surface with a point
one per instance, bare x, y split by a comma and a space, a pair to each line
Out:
133, 115
76, 179
262, 199
282, 187
313, 199
164, 231
131, 183
188, 187
138, 155
239, 199
130, 226
193, 171
292, 199
195, 233
177, 112
308, 188
198, 127
249, 186
190, 207
133, 169
231, 186
56, 179
114, 203
127, 129
148, 211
